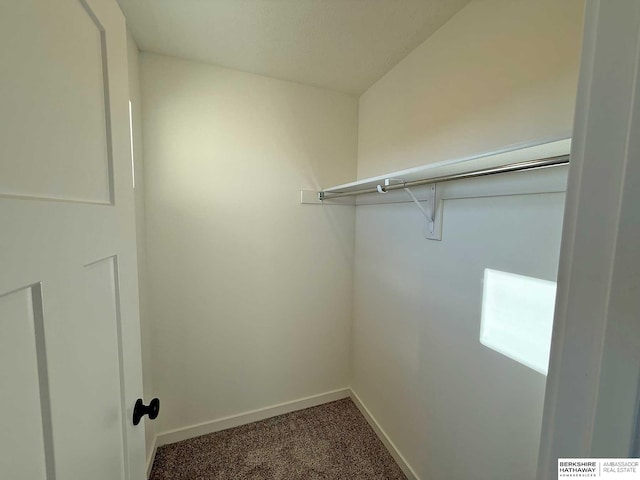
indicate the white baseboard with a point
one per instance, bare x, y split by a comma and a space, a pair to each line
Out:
152, 455
179, 434
393, 450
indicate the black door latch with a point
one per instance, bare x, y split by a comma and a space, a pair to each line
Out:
140, 410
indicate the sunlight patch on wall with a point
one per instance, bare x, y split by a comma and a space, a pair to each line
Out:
517, 317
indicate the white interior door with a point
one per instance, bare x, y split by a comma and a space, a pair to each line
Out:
69, 329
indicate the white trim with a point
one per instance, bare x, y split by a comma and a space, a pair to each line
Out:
591, 399
384, 438
512, 154
179, 434
152, 455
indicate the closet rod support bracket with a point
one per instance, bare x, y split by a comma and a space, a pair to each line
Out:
432, 212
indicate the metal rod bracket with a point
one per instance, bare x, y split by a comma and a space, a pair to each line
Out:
433, 212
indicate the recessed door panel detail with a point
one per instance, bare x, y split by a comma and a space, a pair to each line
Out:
102, 314
25, 421
63, 364
55, 142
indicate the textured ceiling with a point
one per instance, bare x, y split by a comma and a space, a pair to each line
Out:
344, 45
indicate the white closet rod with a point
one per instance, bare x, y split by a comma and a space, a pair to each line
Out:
512, 167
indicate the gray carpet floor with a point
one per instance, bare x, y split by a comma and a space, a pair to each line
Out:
332, 441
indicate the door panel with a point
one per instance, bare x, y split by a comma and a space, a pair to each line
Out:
70, 340
24, 404
104, 381
56, 64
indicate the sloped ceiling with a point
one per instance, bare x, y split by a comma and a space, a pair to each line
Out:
344, 45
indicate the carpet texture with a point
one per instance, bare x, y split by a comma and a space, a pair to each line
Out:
332, 441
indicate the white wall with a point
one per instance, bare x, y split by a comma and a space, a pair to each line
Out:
141, 236
496, 64
499, 73
250, 292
